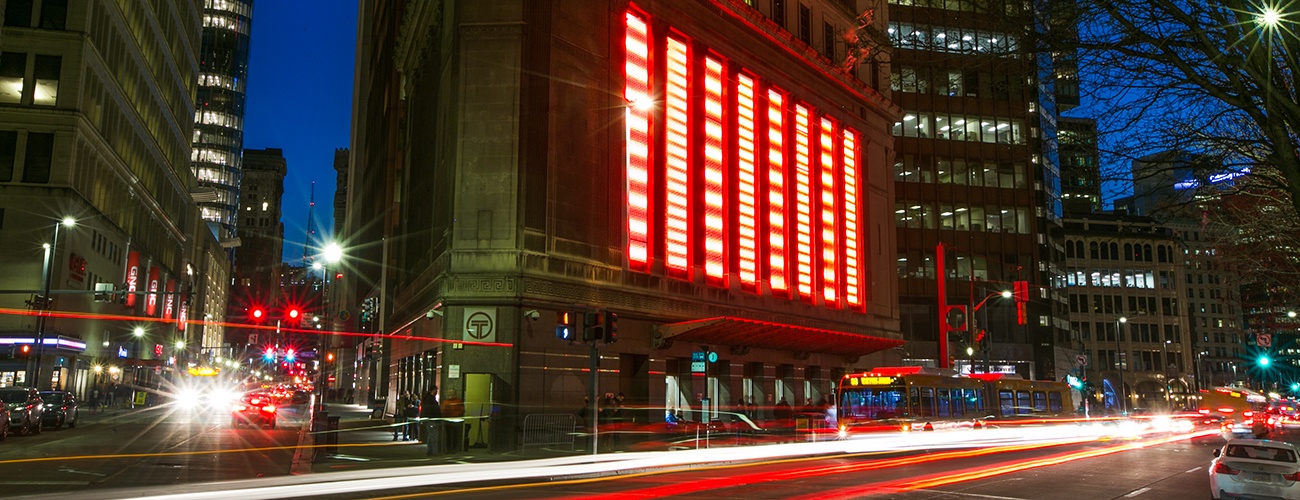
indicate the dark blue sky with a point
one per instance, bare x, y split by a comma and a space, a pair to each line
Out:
300, 100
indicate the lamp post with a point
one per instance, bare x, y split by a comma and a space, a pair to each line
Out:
47, 274
1119, 362
988, 340
333, 253
1164, 369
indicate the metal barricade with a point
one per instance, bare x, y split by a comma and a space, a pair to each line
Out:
548, 430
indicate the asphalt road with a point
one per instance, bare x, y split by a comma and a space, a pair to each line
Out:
153, 446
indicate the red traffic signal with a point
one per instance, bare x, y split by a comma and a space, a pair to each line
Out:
258, 313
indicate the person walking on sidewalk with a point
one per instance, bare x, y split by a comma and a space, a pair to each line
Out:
431, 415
400, 428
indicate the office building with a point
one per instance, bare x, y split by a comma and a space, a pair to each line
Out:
706, 182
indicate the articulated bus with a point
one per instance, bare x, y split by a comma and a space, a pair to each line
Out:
1244, 411
919, 398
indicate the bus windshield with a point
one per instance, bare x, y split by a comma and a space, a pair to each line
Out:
873, 403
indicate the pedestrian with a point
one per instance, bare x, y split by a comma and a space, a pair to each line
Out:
400, 429
431, 415
782, 410
412, 430
94, 400
453, 408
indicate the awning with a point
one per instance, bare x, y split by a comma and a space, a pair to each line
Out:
741, 332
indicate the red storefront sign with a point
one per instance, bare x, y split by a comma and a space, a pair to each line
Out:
182, 317
151, 300
169, 301
132, 277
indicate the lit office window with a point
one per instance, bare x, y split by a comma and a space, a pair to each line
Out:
803, 201
715, 190
746, 179
637, 92
677, 212
776, 253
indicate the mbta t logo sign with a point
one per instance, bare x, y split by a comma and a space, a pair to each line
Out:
480, 324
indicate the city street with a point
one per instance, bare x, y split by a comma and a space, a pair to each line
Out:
149, 446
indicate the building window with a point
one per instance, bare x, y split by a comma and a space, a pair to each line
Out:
47, 80
778, 12
40, 154
8, 151
805, 24
18, 13
12, 67
54, 14
828, 40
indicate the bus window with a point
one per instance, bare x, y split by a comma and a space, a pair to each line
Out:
1022, 402
1054, 402
943, 402
975, 401
1006, 403
957, 402
926, 406
870, 404
1040, 401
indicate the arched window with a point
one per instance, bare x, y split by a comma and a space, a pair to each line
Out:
1105, 251
1114, 251
1128, 251
1146, 252
1069, 249
1092, 250
1078, 249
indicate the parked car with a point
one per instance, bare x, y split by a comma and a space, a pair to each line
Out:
60, 409
254, 409
1255, 468
25, 409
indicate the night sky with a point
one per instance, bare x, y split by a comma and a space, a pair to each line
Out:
300, 100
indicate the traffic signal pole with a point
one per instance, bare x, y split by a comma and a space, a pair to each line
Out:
941, 277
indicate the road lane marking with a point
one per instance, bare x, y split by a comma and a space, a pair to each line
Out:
1137, 492
1193, 470
75, 471
971, 495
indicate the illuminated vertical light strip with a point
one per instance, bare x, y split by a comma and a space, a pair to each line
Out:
803, 202
776, 191
715, 191
637, 92
830, 235
747, 180
852, 247
677, 162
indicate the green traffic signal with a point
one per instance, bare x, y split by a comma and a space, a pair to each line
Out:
1264, 361
1295, 387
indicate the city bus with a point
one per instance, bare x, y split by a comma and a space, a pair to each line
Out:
1244, 411
921, 398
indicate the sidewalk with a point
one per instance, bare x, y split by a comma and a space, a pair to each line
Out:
366, 443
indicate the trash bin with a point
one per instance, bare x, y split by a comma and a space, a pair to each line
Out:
332, 437
455, 435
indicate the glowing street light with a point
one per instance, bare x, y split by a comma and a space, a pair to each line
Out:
138, 332
1270, 17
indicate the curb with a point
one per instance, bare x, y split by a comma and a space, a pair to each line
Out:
302, 457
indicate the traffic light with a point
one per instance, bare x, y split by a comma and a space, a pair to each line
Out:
257, 314
611, 327
981, 339
24, 351
269, 355
329, 357
292, 315
289, 355
1264, 361
564, 326
1074, 381
592, 328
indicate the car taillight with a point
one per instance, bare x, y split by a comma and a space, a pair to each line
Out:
240, 408
268, 409
1295, 476
1247, 414
1204, 411
1221, 468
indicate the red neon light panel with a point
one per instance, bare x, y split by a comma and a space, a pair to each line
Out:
746, 179
677, 214
714, 188
852, 246
776, 191
637, 92
830, 189
803, 202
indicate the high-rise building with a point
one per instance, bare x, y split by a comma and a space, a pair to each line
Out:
96, 113
1080, 165
219, 112
261, 233
976, 171
699, 181
341, 163
1130, 322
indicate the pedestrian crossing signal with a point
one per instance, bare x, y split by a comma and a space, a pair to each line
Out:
564, 326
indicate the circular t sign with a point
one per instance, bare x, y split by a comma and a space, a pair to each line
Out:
713, 357
478, 326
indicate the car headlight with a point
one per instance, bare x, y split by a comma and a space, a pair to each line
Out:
188, 397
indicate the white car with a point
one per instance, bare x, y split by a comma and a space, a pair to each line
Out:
1255, 468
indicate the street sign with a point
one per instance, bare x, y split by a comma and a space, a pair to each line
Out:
697, 366
1264, 340
713, 356
697, 356
1081, 360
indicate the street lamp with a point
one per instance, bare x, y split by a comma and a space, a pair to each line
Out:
1164, 369
47, 273
988, 341
1119, 361
333, 253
